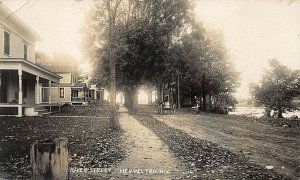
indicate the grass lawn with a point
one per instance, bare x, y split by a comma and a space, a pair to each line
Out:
93, 141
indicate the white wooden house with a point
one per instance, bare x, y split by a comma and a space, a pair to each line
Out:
69, 90
24, 86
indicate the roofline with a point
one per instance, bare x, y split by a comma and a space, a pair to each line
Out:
12, 17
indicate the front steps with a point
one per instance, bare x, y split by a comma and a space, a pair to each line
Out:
36, 111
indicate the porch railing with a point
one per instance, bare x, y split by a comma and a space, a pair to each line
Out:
78, 99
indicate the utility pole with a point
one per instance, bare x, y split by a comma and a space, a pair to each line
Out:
112, 64
178, 92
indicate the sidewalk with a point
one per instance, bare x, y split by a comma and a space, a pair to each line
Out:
148, 157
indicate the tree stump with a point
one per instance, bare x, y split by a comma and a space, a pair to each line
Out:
49, 159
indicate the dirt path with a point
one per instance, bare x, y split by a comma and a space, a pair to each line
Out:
148, 157
264, 144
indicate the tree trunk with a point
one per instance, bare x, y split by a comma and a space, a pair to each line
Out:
129, 106
132, 98
149, 96
135, 99
49, 159
203, 92
267, 112
126, 98
200, 101
210, 102
161, 94
280, 113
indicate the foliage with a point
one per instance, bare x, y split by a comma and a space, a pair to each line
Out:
141, 40
205, 67
277, 88
153, 42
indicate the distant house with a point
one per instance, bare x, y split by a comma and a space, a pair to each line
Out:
169, 93
70, 90
95, 94
24, 86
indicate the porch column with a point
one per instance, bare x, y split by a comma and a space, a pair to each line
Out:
83, 94
50, 92
20, 100
58, 87
58, 96
37, 90
149, 96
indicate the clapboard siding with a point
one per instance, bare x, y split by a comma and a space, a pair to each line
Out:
1, 42
66, 77
16, 44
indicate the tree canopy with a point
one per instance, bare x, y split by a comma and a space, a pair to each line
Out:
207, 68
277, 88
154, 40
141, 41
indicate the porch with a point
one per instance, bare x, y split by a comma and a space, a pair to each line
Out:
25, 87
79, 94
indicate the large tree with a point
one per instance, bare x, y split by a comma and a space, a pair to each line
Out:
277, 88
141, 40
152, 42
205, 67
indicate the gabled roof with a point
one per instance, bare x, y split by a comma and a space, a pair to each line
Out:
58, 64
59, 68
73, 85
15, 22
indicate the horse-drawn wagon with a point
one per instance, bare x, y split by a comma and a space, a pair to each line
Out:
166, 106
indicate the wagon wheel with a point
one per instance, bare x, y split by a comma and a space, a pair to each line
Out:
160, 109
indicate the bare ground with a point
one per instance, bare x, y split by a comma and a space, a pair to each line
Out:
204, 159
263, 143
146, 153
184, 145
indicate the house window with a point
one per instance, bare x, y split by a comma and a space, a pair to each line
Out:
62, 92
6, 43
25, 51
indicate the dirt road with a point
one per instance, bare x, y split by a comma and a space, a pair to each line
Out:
266, 145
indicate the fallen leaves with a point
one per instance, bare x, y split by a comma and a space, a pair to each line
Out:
206, 159
92, 142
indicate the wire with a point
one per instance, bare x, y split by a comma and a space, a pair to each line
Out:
27, 2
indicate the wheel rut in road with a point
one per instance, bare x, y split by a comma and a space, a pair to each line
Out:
205, 160
263, 144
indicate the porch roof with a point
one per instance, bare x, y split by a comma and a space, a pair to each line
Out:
27, 66
79, 85
72, 85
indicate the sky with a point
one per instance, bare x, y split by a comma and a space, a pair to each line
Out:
58, 22
255, 31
